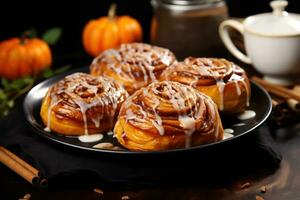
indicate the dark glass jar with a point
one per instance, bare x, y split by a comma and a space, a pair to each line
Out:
188, 27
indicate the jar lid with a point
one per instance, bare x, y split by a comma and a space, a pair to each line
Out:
277, 23
189, 2
187, 5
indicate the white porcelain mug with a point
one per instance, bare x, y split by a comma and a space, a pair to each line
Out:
272, 42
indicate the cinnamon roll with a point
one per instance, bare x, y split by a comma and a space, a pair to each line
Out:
167, 115
225, 82
82, 104
133, 65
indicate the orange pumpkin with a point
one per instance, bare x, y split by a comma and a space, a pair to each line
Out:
110, 31
23, 56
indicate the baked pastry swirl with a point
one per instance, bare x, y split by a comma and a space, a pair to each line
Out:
133, 65
82, 104
167, 115
226, 83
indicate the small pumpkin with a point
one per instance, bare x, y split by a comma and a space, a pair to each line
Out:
20, 57
110, 31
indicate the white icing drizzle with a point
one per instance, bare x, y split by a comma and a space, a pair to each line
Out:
222, 71
247, 114
228, 130
238, 78
227, 135
166, 58
152, 75
109, 98
194, 82
178, 102
145, 58
90, 138
144, 72
110, 133
205, 67
188, 123
104, 145
130, 115
83, 108
238, 89
248, 93
221, 87
181, 98
239, 124
47, 129
158, 121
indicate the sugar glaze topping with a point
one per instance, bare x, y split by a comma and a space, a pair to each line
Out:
141, 63
162, 103
90, 138
247, 114
209, 71
92, 97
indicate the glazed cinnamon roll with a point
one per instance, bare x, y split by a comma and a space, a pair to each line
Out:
167, 115
226, 83
133, 65
82, 104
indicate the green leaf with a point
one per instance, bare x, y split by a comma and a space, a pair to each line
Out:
5, 112
18, 84
51, 36
63, 69
10, 103
3, 96
28, 80
47, 73
11, 91
5, 84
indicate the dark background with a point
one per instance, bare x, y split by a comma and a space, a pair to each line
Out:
18, 16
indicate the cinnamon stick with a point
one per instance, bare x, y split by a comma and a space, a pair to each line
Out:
296, 88
277, 90
19, 166
294, 105
20, 161
275, 103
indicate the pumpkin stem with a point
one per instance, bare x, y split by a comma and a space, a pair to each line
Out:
24, 36
112, 11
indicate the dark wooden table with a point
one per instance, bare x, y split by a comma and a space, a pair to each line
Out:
284, 183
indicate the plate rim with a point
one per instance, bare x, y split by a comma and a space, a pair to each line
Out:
31, 119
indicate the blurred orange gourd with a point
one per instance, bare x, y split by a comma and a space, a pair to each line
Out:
20, 57
110, 31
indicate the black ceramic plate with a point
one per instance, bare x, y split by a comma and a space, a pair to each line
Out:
260, 102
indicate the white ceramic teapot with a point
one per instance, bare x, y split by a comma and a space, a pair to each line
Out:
272, 42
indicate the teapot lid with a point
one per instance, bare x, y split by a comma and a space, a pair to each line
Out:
277, 23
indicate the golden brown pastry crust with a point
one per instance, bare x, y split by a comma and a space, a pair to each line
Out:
167, 115
226, 83
133, 65
82, 104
